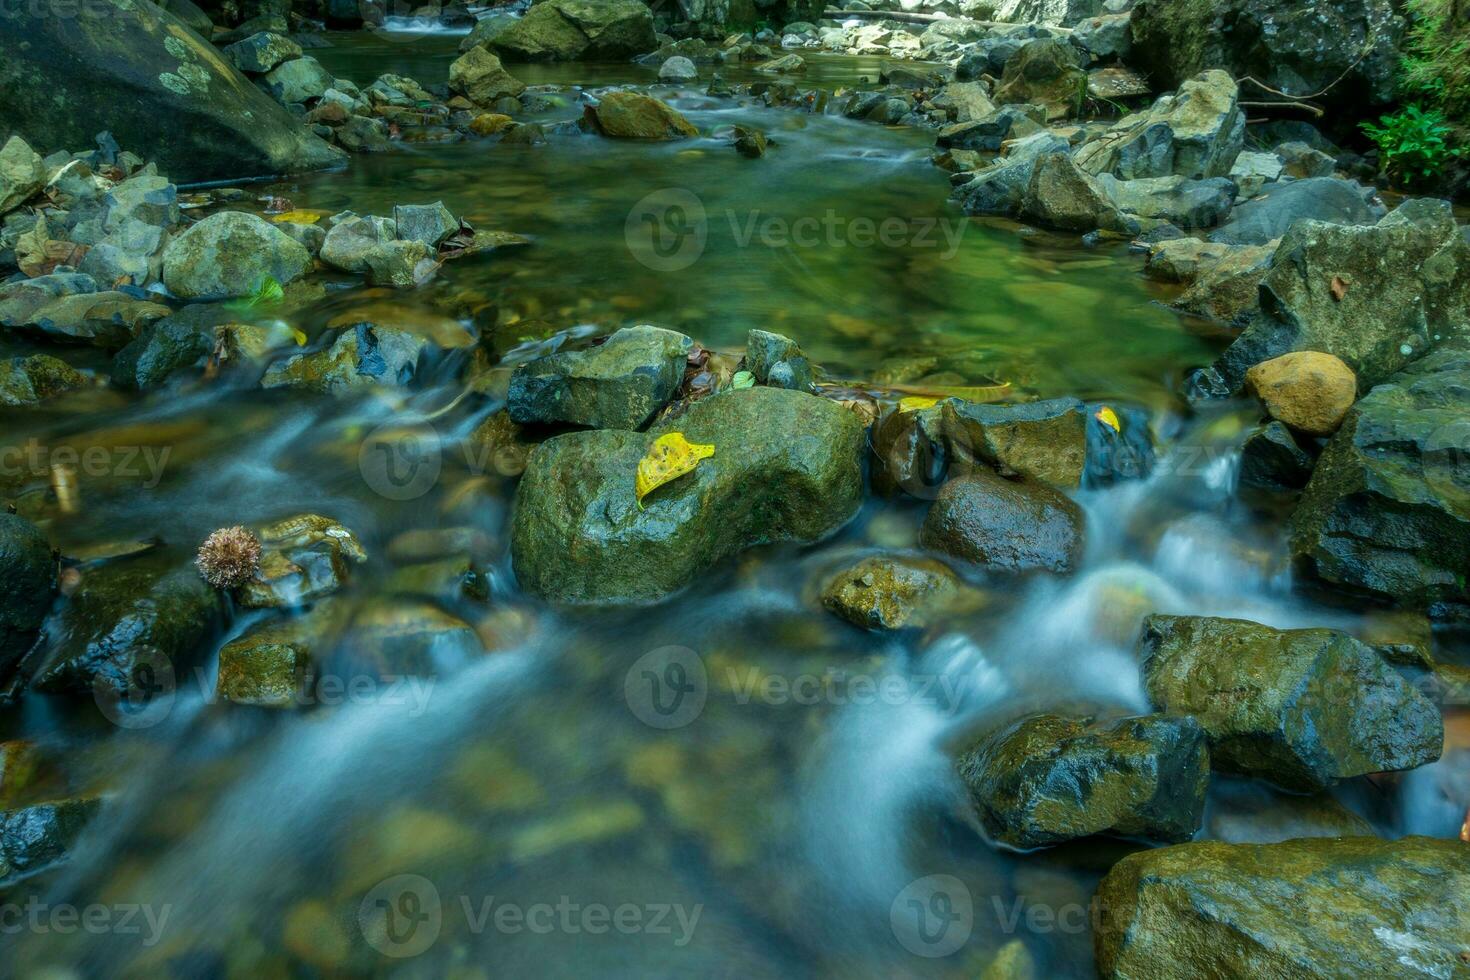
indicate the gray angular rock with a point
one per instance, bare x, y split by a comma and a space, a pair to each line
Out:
787, 466
479, 76
776, 360
1271, 459
231, 253
427, 223
259, 53
1196, 132
1325, 199
21, 173
1302, 708
1044, 72
1047, 779
1061, 195
618, 385
1187, 204
299, 80
1387, 512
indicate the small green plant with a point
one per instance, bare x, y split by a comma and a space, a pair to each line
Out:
1415, 143
1436, 66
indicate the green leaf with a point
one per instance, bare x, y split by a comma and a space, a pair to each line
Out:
742, 379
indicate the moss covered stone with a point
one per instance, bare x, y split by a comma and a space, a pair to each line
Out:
1303, 708
887, 593
1047, 779
787, 466
617, 385
1344, 907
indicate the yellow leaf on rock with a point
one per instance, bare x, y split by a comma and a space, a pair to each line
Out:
298, 217
1109, 418
670, 457
914, 403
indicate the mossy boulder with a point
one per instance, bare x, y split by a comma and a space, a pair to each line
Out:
1045, 440
573, 30
274, 665
1044, 72
1379, 297
231, 253
129, 622
888, 593
1345, 907
633, 115
1303, 708
27, 586
1046, 779
1006, 525
28, 380
261, 52
480, 77
787, 466
619, 384
165, 93
1387, 511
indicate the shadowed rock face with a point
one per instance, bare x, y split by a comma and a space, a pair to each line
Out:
163, 92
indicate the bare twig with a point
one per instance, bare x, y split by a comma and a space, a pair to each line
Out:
1314, 110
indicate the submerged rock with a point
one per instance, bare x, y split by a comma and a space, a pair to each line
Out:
1047, 779
164, 92
617, 385
27, 586
1003, 524
231, 253
1386, 513
1303, 708
37, 837
362, 356
1309, 391
787, 466
303, 558
274, 665
1355, 906
128, 624
1378, 297
888, 593
633, 115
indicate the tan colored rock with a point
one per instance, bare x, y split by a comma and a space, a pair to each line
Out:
1306, 390
479, 77
21, 173
632, 115
489, 123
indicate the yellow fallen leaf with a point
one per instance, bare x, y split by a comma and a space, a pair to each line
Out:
914, 403
670, 457
1109, 418
298, 217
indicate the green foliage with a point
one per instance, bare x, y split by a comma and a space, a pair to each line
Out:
1415, 143
1436, 64
268, 292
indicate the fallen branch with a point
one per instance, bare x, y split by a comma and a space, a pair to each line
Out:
1314, 110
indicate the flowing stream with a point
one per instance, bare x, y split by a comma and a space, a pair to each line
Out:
730, 783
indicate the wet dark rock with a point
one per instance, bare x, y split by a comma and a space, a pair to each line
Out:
101, 319
1344, 55
160, 350
1001, 189
303, 558
231, 253
889, 593
362, 356
37, 837
27, 586
1327, 199
130, 623
750, 143
910, 452
259, 53
1045, 440
1005, 525
1378, 297
787, 466
1355, 906
1271, 459
28, 380
777, 361
1047, 779
1302, 708
161, 90
617, 385
1386, 512
990, 131
274, 665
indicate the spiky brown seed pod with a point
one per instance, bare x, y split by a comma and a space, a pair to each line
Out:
228, 557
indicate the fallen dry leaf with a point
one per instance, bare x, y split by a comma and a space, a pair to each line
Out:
1109, 418
670, 457
1339, 288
